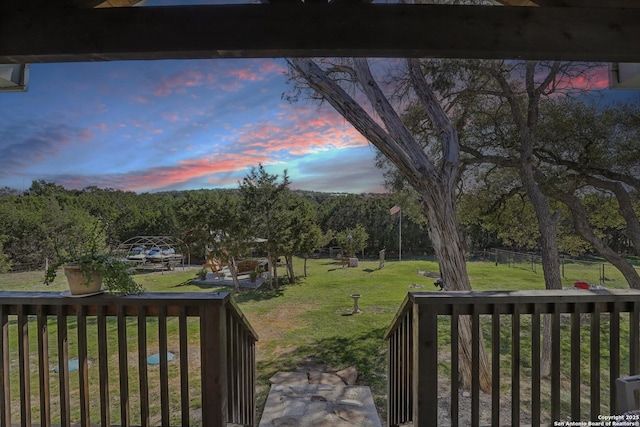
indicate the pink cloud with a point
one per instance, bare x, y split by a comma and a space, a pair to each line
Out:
302, 135
186, 170
85, 135
147, 126
179, 81
246, 74
572, 77
173, 117
272, 67
232, 86
257, 71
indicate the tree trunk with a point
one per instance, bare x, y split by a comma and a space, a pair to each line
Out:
305, 265
274, 266
443, 231
270, 269
547, 220
437, 185
290, 272
234, 274
548, 226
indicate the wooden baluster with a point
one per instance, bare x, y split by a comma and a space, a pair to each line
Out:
83, 367
103, 367
184, 367
614, 354
23, 362
455, 357
164, 370
63, 366
5, 385
123, 364
535, 365
595, 361
575, 363
142, 367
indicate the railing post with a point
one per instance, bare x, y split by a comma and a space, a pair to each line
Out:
213, 339
5, 398
425, 365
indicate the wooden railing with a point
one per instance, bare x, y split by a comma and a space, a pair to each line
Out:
204, 373
594, 341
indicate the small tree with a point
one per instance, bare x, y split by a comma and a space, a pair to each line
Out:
303, 231
353, 240
264, 199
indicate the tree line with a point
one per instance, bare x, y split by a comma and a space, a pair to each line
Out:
34, 221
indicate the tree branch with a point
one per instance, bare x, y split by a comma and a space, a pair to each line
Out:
355, 114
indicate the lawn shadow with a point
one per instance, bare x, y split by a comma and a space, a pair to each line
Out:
190, 282
366, 351
262, 294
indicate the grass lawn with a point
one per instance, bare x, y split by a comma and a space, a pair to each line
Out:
310, 325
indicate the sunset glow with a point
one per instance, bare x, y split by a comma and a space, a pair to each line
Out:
150, 126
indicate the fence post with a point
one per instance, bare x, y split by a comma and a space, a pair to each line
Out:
425, 365
213, 354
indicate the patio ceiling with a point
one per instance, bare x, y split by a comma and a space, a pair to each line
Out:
93, 30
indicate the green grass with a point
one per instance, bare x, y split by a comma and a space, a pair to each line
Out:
309, 325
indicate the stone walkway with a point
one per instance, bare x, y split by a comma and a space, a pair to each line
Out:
319, 399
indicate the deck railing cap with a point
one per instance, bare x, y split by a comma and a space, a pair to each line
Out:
544, 295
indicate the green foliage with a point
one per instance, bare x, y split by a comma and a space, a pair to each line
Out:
304, 231
85, 247
265, 198
5, 263
352, 240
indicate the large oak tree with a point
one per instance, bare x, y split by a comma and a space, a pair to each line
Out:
433, 178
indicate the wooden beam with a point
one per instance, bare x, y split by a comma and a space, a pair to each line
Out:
298, 30
589, 3
517, 2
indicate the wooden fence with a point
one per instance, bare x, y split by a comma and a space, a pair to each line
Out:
150, 359
594, 341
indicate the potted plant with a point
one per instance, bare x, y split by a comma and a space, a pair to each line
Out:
88, 265
253, 275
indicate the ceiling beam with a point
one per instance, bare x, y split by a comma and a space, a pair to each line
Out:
365, 30
589, 3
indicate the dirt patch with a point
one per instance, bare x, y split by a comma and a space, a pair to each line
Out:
273, 325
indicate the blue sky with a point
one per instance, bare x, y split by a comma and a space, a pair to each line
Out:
170, 125
150, 126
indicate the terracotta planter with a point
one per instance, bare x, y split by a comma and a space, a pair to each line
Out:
78, 282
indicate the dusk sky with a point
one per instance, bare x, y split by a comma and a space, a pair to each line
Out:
149, 126
170, 125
